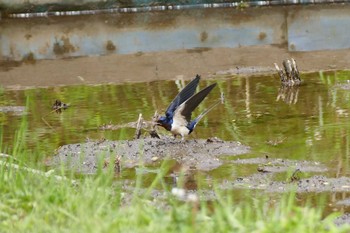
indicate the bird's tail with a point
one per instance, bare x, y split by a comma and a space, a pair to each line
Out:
193, 123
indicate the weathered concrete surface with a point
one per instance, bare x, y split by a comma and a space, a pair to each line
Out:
302, 28
199, 154
139, 33
318, 28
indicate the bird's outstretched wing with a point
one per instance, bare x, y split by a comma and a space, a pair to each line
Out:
184, 95
185, 110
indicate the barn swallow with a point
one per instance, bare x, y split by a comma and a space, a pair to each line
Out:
177, 117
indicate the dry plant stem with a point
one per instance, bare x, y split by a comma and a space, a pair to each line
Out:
154, 119
47, 123
222, 98
288, 69
290, 75
117, 164
280, 73
138, 127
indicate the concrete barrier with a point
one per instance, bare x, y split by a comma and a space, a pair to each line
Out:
319, 28
302, 28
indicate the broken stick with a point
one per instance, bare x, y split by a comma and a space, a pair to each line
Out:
290, 75
138, 127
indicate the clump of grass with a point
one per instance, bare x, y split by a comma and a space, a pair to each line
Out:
31, 203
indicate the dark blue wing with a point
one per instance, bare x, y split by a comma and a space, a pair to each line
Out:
184, 94
193, 102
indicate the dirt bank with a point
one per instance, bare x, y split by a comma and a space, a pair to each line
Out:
166, 65
199, 154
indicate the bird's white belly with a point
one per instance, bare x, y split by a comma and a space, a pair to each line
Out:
179, 129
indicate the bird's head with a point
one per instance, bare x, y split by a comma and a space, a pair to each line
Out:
164, 122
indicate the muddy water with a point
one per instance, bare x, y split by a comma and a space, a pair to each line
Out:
306, 123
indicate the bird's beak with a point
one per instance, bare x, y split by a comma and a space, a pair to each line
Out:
158, 122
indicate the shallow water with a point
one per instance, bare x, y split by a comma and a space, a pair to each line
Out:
313, 127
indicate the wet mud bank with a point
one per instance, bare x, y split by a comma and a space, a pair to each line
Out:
202, 155
199, 154
301, 176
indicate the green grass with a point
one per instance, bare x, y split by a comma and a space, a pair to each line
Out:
33, 203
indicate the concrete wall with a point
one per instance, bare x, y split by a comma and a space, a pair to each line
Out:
299, 28
319, 28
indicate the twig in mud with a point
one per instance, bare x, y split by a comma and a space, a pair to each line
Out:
290, 75
138, 127
117, 164
290, 81
222, 98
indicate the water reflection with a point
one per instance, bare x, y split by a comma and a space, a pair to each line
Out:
288, 94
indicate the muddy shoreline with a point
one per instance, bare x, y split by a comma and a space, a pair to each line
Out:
167, 65
203, 155
198, 154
